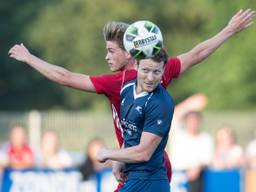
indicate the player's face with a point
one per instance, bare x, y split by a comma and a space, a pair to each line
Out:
116, 57
149, 75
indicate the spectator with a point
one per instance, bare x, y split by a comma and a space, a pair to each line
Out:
20, 155
192, 150
196, 102
228, 154
91, 165
251, 155
51, 155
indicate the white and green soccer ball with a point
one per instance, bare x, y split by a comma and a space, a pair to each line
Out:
143, 39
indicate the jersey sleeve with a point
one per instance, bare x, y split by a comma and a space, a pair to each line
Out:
111, 84
107, 84
158, 118
171, 70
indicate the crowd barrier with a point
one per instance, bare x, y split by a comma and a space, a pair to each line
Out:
47, 180
69, 180
223, 180
229, 180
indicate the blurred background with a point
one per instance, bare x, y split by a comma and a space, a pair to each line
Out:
69, 34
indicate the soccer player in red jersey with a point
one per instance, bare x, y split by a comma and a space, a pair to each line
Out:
122, 63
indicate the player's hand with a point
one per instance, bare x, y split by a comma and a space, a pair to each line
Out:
241, 20
117, 172
120, 177
101, 155
20, 53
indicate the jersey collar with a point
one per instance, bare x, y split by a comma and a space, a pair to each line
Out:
135, 95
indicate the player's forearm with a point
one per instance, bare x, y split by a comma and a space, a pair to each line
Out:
127, 155
52, 72
135, 154
206, 48
240, 21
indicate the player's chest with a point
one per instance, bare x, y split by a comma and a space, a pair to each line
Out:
133, 110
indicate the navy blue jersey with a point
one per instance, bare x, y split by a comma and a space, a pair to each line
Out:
146, 112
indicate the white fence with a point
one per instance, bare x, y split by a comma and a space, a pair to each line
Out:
76, 128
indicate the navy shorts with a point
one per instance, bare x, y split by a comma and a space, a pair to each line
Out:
133, 185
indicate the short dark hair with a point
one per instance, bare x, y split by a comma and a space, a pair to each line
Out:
114, 31
162, 56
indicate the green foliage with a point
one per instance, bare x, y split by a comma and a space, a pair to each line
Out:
69, 34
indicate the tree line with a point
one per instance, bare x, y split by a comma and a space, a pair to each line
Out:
69, 34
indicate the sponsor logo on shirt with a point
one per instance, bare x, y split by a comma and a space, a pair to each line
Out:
139, 109
159, 122
129, 127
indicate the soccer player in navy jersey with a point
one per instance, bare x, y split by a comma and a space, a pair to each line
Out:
146, 114
122, 63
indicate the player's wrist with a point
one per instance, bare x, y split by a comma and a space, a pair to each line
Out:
117, 167
229, 30
29, 58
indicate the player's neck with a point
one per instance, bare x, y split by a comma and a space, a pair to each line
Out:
139, 90
130, 65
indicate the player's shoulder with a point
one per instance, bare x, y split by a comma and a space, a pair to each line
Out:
125, 76
162, 98
174, 65
173, 59
161, 93
109, 76
127, 86
129, 75
120, 76
132, 72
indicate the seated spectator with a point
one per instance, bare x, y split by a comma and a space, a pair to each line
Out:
91, 165
227, 154
251, 155
20, 155
51, 155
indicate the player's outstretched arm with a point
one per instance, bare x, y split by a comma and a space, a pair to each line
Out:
240, 21
53, 72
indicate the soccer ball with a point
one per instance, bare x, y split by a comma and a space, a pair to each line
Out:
143, 39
